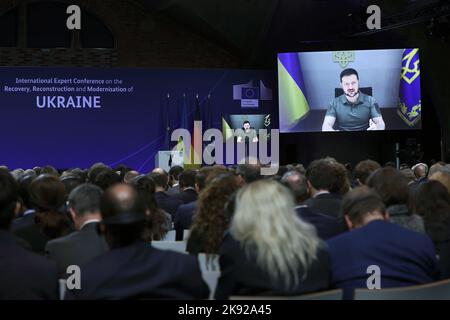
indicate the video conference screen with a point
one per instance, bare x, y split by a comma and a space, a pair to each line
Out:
233, 122
360, 90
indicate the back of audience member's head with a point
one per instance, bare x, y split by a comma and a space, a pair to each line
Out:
443, 178
161, 180
85, 199
130, 175
248, 173
390, 164
123, 215
95, 170
446, 169
106, 179
363, 170
362, 205
47, 197
84, 202
80, 173
300, 168
420, 170
292, 244
433, 203
24, 190
155, 217
408, 174
160, 171
437, 167
70, 182
17, 173
9, 197
174, 172
122, 170
391, 186
296, 183
50, 170
320, 175
187, 179
341, 179
204, 176
210, 220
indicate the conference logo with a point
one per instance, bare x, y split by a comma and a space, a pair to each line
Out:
250, 95
251, 152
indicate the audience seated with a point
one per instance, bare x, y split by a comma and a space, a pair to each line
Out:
47, 197
326, 225
443, 178
268, 249
433, 204
392, 187
132, 269
248, 173
83, 245
165, 201
210, 223
158, 222
23, 274
320, 179
187, 192
363, 170
174, 174
404, 257
297, 231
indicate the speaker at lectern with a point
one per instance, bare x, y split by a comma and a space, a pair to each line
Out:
168, 159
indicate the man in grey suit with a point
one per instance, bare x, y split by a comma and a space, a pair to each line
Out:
86, 243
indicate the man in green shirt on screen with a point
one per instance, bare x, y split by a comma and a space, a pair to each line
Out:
353, 110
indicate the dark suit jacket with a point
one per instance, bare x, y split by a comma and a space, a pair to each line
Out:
140, 271
25, 228
326, 225
167, 203
325, 203
173, 190
240, 275
23, 274
76, 248
183, 218
23, 221
405, 257
187, 196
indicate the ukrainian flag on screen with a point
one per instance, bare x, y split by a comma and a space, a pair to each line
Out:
292, 97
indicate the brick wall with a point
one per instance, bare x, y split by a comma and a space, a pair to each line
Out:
143, 39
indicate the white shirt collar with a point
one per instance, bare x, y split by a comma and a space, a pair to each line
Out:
321, 192
89, 221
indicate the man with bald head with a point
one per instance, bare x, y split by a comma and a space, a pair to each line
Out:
420, 171
133, 269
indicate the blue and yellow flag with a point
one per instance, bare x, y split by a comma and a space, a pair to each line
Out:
409, 107
292, 97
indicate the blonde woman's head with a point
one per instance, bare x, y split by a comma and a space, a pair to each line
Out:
265, 221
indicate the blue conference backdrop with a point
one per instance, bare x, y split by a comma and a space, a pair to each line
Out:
74, 117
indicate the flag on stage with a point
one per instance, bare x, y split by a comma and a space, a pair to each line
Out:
197, 137
166, 123
226, 130
293, 102
409, 106
184, 123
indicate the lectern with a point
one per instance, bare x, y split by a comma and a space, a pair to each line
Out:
168, 159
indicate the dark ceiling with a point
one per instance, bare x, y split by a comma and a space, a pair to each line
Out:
257, 28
